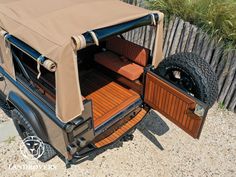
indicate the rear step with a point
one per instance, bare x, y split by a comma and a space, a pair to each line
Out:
121, 130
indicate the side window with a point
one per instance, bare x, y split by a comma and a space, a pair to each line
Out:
26, 70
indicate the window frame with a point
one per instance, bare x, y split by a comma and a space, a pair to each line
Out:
25, 79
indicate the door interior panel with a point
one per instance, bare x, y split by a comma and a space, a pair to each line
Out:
182, 109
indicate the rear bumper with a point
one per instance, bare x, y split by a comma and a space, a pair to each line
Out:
110, 139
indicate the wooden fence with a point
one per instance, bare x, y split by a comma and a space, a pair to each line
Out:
181, 36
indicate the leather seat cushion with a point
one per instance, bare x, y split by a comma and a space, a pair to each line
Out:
120, 65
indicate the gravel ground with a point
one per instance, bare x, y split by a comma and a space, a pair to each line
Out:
3, 116
158, 149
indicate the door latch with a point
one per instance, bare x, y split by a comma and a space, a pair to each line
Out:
197, 113
199, 110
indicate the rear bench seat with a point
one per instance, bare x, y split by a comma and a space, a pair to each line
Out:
124, 58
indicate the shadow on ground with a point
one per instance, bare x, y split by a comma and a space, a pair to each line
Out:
153, 125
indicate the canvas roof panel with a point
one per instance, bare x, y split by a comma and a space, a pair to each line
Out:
47, 25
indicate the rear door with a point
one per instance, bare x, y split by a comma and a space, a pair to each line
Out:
182, 109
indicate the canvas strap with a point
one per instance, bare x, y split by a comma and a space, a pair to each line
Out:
158, 46
95, 39
39, 62
153, 20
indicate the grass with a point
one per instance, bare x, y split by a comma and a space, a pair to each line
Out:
217, 17
221, 106
10, 140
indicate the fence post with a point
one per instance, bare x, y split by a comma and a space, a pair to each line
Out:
180, 36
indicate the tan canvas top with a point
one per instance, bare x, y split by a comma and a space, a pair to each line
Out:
48, 25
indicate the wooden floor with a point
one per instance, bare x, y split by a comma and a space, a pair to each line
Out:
121, 131
108, 96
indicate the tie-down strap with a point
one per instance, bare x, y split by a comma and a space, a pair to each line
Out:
48, 64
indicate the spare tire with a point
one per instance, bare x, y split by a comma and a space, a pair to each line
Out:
192, 74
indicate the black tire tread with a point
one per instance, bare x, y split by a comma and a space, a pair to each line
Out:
49, 151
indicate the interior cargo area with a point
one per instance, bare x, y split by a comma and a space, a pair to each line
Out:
111, 75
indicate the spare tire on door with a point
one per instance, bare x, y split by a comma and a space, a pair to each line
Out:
192, 74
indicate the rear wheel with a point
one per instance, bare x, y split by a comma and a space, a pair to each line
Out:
192, 74
25, 130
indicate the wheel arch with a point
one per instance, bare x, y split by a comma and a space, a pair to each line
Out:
15, 101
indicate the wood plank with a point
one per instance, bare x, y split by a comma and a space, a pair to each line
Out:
232, 105
172, 36
181, 107
121, 130
168, 33
230, 94
229, 76
205, 44
217, 56
176, 39
108, 97
191, 39
223, 69
166, 24
184, 37
197, 48
210, 50
229, 100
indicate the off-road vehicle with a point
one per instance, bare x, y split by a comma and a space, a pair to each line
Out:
70, 77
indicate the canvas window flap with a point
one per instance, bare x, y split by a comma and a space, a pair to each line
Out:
6, 56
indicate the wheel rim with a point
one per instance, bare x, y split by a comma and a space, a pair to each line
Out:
182, 80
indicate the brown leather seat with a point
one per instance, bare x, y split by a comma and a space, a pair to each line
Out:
119, 65
132, 51
124, 57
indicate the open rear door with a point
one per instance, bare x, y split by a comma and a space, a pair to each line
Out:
182, 109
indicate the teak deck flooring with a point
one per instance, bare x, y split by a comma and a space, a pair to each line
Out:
121, 130
108, 96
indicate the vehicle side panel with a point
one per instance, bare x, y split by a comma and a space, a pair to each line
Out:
57, 137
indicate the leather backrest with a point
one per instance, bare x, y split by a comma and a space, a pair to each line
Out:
134, 52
